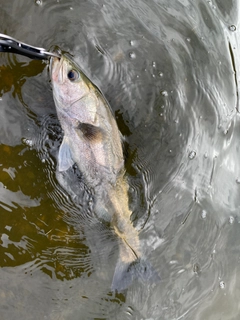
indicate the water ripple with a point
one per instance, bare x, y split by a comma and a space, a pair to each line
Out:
170, 72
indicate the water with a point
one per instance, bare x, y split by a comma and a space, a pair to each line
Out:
170, 71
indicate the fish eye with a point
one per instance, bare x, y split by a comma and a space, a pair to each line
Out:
73, 75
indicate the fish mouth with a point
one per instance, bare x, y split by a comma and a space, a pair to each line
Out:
51, 54
56, 66
56, 52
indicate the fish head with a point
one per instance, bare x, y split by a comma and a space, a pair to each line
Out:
69, 83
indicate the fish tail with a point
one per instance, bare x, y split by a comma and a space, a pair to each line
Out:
127, 271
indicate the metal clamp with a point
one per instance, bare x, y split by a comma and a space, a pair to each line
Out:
9, 44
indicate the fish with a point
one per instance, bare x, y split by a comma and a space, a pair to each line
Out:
93, 142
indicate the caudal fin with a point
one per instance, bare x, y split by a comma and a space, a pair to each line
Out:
125, 273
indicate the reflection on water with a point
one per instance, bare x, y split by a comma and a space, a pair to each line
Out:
170, 71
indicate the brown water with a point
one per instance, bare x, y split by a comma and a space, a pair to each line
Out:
170, 71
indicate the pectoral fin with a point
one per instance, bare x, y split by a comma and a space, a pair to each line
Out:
65, 160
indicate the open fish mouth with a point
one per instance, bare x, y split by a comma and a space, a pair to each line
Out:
56, 52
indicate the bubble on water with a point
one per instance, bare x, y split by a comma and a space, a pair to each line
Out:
71, 8
28, 142
232, 27
192, 155
153, 76
132, 55
204, 214
231, 219
131, 42
38, 2
196, 268
164, 93
238, 180
222, 284
205, 155
160, 74
43, 160
154, 64
188, 40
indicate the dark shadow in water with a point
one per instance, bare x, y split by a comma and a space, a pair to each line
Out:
14, 74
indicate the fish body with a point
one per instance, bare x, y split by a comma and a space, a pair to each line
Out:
92, 141
90, 130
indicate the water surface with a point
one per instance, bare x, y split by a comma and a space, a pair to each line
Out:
170, 71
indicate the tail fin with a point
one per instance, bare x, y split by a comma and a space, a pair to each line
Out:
127, 270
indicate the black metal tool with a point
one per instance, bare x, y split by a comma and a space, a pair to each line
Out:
9, 44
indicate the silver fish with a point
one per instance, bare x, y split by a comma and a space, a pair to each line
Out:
92, 141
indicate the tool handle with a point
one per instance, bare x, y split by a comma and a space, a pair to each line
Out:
9, 44
25, 51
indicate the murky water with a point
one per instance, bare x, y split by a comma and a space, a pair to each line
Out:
170, 71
